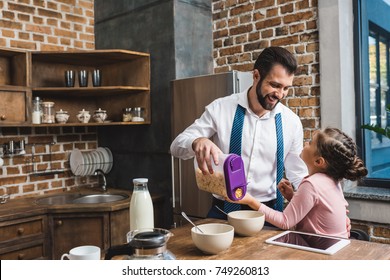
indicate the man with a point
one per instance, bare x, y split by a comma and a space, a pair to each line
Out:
265, 128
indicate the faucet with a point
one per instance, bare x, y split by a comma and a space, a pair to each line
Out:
99, 171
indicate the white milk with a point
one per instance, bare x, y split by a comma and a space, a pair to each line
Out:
36, 117
141, 206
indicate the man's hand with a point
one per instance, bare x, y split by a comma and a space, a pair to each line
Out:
205, 151
286, 189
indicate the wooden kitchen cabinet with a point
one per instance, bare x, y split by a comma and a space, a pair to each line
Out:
23, 239
31, 230
15, 92
76, 229
125, 83
102, 229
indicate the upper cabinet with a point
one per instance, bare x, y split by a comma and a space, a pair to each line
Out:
125, 83
14, 88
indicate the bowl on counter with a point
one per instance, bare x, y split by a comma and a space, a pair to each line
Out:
246, 222
214, 239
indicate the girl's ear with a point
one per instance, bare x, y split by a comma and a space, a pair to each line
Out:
320, 162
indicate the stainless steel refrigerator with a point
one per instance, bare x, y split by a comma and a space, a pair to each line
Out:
190, 97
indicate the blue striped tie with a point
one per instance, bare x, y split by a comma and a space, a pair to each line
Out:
235, 148
279, 161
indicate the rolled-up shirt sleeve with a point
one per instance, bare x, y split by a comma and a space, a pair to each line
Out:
181, 147
295, 167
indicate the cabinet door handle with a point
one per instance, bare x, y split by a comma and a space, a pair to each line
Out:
3, 117
21, 256
59, 223
20, 231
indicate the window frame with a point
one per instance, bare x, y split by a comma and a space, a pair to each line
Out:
362, 87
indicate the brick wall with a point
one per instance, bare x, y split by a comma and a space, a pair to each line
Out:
45, 25
243, 28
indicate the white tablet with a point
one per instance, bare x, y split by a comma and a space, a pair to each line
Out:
309, 242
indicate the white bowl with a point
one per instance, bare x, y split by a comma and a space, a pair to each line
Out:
246, 222
216, 237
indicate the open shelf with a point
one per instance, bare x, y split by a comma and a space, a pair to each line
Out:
125, 82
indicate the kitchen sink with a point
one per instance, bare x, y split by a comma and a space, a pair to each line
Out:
80, 199
57, 199
99, 198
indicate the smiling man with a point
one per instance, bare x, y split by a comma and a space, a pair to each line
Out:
255, 125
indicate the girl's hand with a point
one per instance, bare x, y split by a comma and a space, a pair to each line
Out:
248, 200
286, 189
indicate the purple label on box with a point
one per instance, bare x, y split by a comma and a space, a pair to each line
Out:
235, 179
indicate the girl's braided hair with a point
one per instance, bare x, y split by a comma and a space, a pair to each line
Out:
339, 152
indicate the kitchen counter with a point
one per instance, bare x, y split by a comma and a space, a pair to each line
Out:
25, 207
32, 229
255, 248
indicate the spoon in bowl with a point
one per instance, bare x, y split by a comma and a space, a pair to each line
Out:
188, 219
221, 210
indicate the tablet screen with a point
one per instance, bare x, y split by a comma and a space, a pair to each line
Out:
305, 240
309, 241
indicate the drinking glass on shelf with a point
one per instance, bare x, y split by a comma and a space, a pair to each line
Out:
97, 77
69, 78
83, 78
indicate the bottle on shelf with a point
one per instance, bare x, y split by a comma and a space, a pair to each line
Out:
37, 110
141, 206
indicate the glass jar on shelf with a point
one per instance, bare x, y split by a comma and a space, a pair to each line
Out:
127, 115
48, 112
138, 114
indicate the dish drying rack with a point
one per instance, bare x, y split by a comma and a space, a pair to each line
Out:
86, 163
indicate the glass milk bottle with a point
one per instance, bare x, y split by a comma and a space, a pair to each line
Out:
36, 111
141, 206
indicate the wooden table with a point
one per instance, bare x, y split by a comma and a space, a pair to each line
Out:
255, 248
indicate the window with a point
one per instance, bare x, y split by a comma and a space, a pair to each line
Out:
372, 47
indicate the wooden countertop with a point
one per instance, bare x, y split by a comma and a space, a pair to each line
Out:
255, 248
25, 207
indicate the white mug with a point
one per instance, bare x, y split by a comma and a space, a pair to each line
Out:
83, 253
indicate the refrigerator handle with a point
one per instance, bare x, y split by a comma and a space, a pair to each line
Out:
180, 184
236, 82
174, 181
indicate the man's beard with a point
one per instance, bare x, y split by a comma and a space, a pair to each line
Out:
262, 99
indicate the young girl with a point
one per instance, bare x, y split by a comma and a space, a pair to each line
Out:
318, 206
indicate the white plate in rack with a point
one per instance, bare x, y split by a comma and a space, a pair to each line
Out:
100, 159
89, 167
106, 159
76, 161
96, 161
110, 160
86, 164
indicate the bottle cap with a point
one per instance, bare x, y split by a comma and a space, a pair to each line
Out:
140, 180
